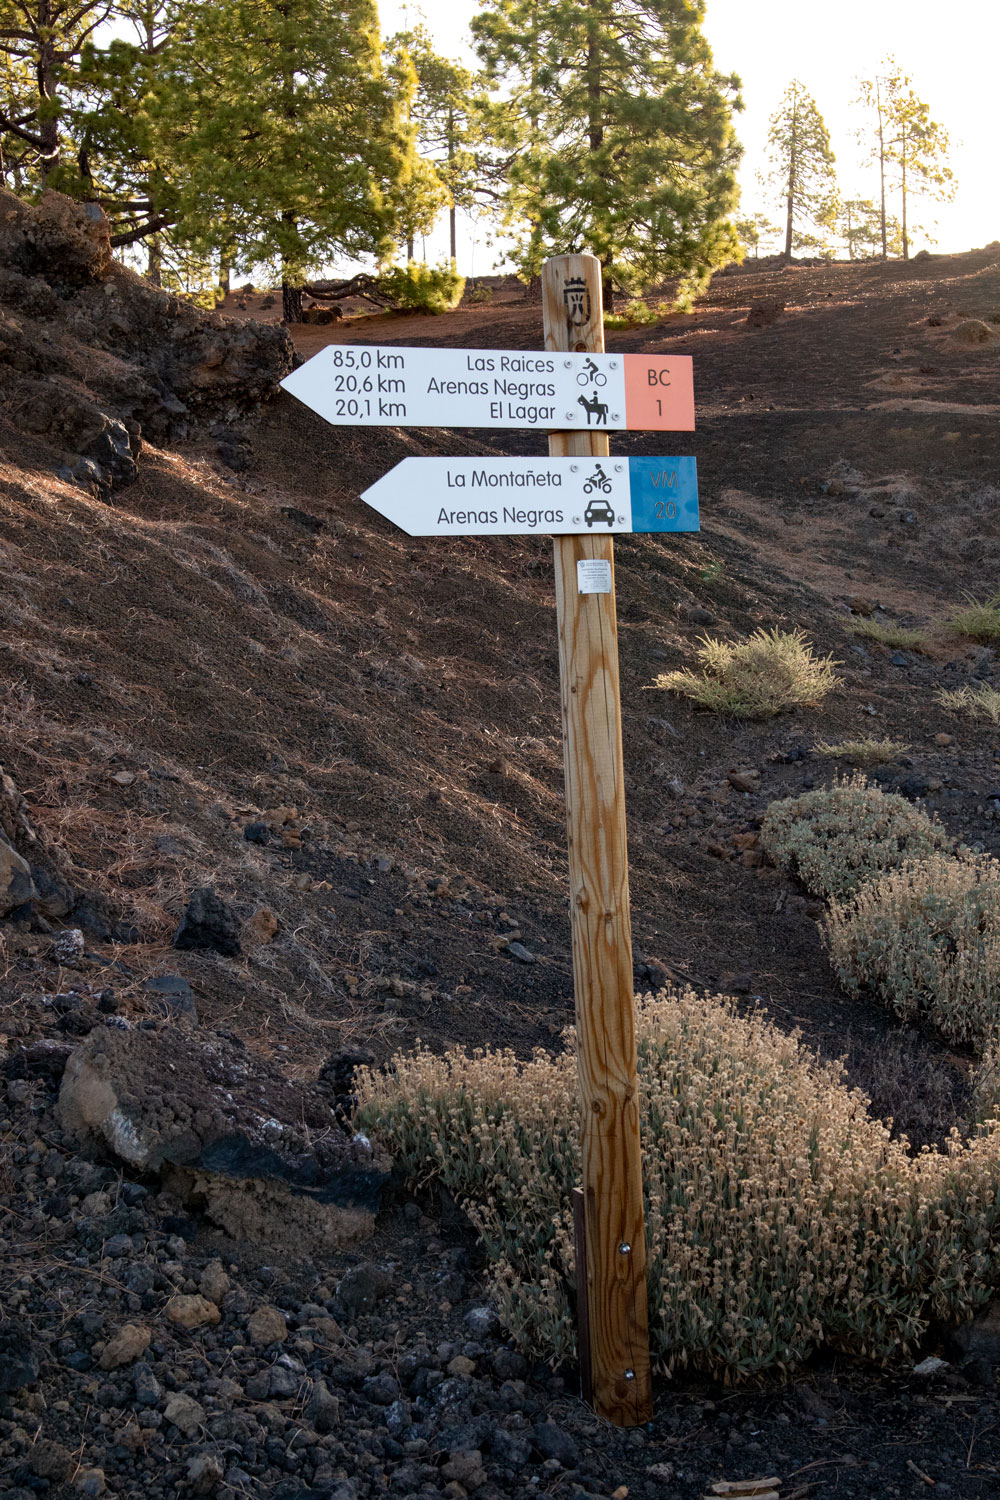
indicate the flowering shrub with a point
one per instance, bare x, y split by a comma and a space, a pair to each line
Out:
836, 838
926, 940
779, 1215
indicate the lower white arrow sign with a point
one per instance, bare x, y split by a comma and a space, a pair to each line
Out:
545, 496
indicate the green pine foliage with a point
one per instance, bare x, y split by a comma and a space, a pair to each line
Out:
446, 118
619, 132
40, 46
802, 170
291, 140
417, 287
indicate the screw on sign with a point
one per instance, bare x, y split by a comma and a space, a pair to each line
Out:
582, 498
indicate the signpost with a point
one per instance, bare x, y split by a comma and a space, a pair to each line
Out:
350, 384
583, 498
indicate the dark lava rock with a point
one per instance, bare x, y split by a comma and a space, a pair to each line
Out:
171, 996
551, 1442
910, 787
521, 953
338, 1070
18, 1364
209, 922
302, 518
257, 833
361, 1287
45, 1058
511, 1450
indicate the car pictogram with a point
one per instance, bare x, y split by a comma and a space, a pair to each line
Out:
598, 510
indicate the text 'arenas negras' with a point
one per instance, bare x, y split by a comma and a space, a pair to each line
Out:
508, 479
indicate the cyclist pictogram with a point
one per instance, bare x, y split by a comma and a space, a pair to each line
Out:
591, 373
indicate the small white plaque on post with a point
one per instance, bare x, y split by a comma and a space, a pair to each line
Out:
593, 575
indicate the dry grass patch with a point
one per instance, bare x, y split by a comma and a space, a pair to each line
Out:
753, 679
780, 1216
980, 620
836, 838
981, 702
863, 752
885, 633
926, 940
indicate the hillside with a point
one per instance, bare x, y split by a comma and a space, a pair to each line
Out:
220, 670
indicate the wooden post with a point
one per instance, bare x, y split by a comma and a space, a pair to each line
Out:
615, 1273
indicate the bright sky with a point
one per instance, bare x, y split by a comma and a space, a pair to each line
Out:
950, 52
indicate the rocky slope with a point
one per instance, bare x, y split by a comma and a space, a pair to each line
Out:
282, 786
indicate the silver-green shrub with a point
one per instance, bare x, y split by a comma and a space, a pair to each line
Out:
836, 838
926, 940
779, 1215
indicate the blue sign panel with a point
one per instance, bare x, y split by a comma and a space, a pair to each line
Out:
664, 494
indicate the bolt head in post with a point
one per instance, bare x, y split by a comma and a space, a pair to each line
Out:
624, 1248
629, 1374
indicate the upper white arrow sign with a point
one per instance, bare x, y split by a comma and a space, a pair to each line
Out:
373, 385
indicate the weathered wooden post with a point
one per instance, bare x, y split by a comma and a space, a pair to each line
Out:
615, 1319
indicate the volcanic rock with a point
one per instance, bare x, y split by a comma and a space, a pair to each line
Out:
263, 1154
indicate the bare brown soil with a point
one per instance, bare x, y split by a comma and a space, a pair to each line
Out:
215, 648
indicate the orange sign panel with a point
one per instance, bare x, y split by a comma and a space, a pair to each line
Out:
659, 392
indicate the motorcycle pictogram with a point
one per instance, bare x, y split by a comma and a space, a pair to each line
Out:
598, 481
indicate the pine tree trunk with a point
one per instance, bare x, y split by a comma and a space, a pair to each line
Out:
453, 227
154, 262
410, 251
608, 283
790, 200
225, 277
291, 303
906, 242
881, 169
48, 129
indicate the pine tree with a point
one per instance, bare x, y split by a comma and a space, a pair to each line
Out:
752, 230
420, 193
445, 117
908, 145
619, 133
802, 168
122, 160
861, 225
291, 143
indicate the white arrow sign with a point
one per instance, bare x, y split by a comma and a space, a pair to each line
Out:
372, 385
547, 496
